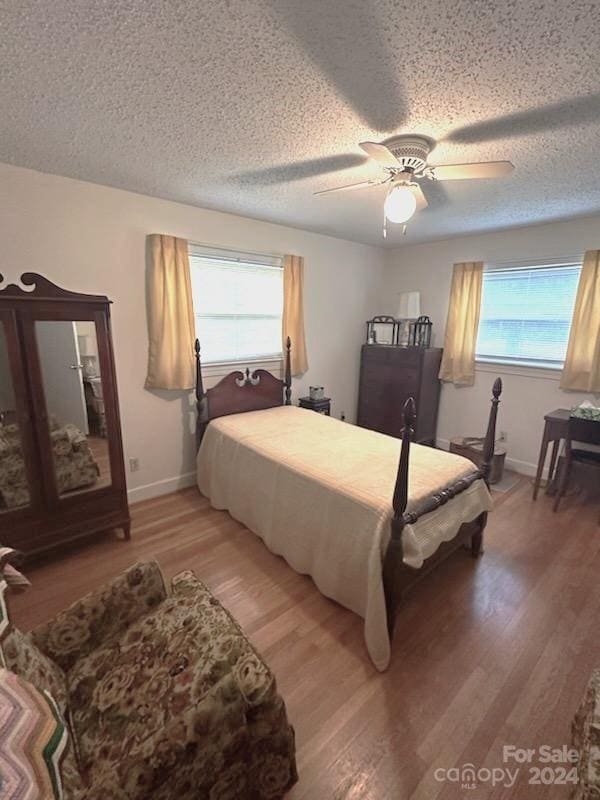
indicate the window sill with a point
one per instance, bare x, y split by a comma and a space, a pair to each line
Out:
524, 369
221, 368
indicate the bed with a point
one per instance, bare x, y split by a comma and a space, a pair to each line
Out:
364, 514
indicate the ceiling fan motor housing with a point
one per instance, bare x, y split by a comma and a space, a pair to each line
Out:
411, 152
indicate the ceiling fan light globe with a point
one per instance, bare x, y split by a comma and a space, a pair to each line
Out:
400, 204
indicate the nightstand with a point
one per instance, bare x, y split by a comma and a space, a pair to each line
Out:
322, 406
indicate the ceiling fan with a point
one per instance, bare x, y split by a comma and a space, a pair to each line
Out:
404, 159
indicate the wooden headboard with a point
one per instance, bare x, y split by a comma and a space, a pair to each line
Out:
241, 391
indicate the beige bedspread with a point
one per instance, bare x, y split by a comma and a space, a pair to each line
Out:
319, 493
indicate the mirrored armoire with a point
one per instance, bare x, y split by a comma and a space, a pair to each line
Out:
62, 474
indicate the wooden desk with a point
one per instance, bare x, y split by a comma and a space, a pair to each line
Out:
556, 424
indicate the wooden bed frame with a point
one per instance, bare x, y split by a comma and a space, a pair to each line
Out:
253, 391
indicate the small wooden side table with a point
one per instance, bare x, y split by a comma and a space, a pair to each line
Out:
556, 425
322, 406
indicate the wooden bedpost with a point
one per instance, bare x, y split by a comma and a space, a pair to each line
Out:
490, 436
201, 400
288, 372
486, 464
393, 558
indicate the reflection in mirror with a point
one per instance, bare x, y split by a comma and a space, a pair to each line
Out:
75, 404
14, 486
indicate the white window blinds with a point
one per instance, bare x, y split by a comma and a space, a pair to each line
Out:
526, 314
238, 303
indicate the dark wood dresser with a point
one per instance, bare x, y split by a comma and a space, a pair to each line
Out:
388, 377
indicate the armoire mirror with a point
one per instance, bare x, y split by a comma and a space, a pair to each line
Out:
73, 393
61, 457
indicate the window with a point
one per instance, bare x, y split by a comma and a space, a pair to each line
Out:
526, 314
238, 303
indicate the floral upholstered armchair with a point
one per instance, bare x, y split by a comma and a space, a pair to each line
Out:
165, 695
586, 740
75, 466
14, 491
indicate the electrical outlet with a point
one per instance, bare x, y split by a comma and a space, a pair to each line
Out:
134, 464
503, 436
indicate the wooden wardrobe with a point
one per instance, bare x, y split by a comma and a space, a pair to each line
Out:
62, 475
389, 375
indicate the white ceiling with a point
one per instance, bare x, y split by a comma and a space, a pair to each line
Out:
250, 106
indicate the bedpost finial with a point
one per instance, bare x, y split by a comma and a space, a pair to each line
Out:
287, 381
400, 499
490, 436
201, 403
409, 412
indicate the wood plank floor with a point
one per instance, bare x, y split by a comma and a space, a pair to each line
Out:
486, 653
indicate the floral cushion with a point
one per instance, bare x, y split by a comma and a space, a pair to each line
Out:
75, 466
180, 705
586, 739
74, 463
100, 615
23, 658
14, 491
27, 661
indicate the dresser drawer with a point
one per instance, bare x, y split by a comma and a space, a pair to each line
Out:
399, 356
381, 378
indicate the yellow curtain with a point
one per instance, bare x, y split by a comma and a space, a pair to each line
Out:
582, 364
458, 360
171, 325
293, 311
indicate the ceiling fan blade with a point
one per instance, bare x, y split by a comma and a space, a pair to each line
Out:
299, 170
361, 185
459, 172
379, 152
420, 197
547, 118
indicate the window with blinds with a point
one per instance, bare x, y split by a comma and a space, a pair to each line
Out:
238, 303
526, 314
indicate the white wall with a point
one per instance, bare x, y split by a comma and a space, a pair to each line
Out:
528, 393
90, 238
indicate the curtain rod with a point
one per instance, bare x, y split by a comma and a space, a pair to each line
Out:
230, 249
536, 261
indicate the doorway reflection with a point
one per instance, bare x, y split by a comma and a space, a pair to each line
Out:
75, 404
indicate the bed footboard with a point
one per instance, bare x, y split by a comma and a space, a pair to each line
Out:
398, 578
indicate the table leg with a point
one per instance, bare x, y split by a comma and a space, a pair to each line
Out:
552, 467
541, 461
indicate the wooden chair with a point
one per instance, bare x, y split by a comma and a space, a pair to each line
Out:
583, 431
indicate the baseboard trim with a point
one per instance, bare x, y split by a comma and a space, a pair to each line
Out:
522, 467
166, 486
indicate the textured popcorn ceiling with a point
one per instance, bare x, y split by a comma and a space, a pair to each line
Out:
250, 106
